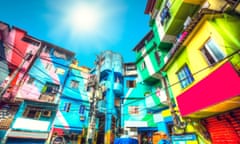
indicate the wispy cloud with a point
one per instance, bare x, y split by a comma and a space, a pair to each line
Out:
64, 22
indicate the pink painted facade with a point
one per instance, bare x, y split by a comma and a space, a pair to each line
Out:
220, 86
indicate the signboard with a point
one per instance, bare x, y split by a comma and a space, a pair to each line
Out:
22, 134
185, 137
135, 124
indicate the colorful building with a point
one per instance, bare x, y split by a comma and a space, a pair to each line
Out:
167, 20
137, 122
39, 93
4, 31
150, 87
18, 51
72, 115
110, 67
203, 72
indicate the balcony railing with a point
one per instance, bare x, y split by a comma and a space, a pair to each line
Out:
187, 31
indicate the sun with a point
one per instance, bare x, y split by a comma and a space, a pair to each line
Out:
84, 18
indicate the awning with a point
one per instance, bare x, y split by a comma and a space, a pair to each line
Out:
30, 135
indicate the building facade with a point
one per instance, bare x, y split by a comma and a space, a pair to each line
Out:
205, 52
39, 95
110, 70
72, 115
18, 52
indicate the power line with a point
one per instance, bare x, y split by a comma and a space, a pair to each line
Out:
195, 73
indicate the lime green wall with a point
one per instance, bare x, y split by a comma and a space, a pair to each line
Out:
223, 30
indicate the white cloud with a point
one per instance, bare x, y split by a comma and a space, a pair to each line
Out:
83, 23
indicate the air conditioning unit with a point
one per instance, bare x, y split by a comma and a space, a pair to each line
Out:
46, 113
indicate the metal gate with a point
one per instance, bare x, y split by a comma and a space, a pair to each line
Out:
224, 128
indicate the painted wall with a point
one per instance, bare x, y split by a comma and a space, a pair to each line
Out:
40, 124
46, 68
4, 31
135, 97
17, 46
222, 30
79, 99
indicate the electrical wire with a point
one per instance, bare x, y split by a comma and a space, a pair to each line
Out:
169, 86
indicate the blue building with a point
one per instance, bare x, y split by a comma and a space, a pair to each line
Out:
73, 110
108, 107
39, 95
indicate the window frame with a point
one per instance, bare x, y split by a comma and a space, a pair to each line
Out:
208, 52
133, 110
67, 106
37, 112
143, 65
49, 66
157, 55
74, 84
48, 85
131, 83
30, 80
188, 76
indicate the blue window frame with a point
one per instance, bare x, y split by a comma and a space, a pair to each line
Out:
185, 76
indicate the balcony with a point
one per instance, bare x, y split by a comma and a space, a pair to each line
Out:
144, 45
216, 93
156, 100
171, 17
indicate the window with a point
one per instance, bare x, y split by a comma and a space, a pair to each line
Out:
81, 109
59, 71
133, 110
48, 66
74, 84
46, 50
32, 112
31, 41
30, 80
185, 77
50, 89
165, 15
67, 106
59, 54
157, 57
143, 65
131, 83
212, 52
130, 67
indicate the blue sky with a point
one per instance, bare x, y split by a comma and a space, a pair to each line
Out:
85, 27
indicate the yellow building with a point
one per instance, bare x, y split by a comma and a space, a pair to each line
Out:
203, 72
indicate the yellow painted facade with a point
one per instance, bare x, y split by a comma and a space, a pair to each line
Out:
192, 56
221, 29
